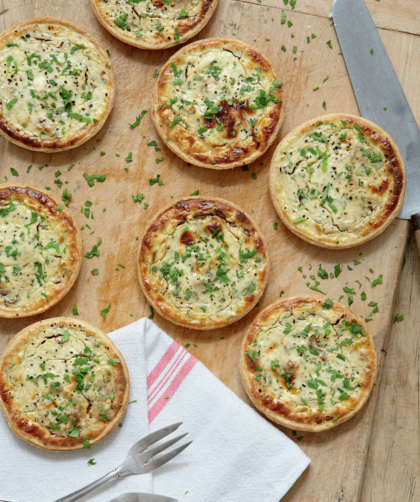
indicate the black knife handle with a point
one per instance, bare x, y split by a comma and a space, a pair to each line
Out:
416, 221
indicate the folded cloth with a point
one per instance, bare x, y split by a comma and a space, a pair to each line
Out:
236, 455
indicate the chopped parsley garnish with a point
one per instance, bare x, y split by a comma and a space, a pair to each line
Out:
77, 48
328, 304
379, 280
91, 178
322, 273
138, 119
214, 70
95, 250
120, 21
251, 289
221, 275
350, 292
138, 198
11, 103
175, 121
105, 311
153, 181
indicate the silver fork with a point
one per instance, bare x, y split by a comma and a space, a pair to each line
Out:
139, 460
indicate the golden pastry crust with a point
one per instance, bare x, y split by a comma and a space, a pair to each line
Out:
55, 92
219, 103
337, 181
41, 250
63, 384
308, 363
202, 263
157, 24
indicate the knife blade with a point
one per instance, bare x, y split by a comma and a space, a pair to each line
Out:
142, 497
376, 86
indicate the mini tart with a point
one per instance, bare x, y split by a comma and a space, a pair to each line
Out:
56, 85
156, 24
218, 103
308, 363
337, 181
40, 250
203, 263
63, 384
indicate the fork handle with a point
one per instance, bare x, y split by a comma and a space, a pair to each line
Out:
92, 486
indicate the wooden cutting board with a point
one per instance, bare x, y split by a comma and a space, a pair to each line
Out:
338, 456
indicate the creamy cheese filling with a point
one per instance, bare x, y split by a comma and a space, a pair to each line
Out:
152, 20
33, 256
308, 362
334, 176
53, 83
206, 268
65, 381
215, 95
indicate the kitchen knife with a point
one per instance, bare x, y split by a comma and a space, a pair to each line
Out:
142, 497
376, 87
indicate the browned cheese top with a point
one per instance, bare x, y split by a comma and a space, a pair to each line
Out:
338, 180
62, 384
309, 362
219, 102
203, 263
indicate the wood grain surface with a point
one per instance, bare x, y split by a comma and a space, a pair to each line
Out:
393, 468
395, 15
338, 456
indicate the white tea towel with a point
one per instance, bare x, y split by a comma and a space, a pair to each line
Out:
236, 455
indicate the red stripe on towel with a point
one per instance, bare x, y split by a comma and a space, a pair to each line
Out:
161, 365
176, 362
173, 387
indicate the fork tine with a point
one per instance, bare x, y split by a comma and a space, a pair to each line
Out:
148, 454
158, 462
147, 441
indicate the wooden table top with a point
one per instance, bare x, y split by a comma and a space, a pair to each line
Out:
391, 467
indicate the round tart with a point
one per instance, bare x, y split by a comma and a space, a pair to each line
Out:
64, 385
218, 103
156, 24
337, 181
308, 363
56, 85
203, 263
40, 250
